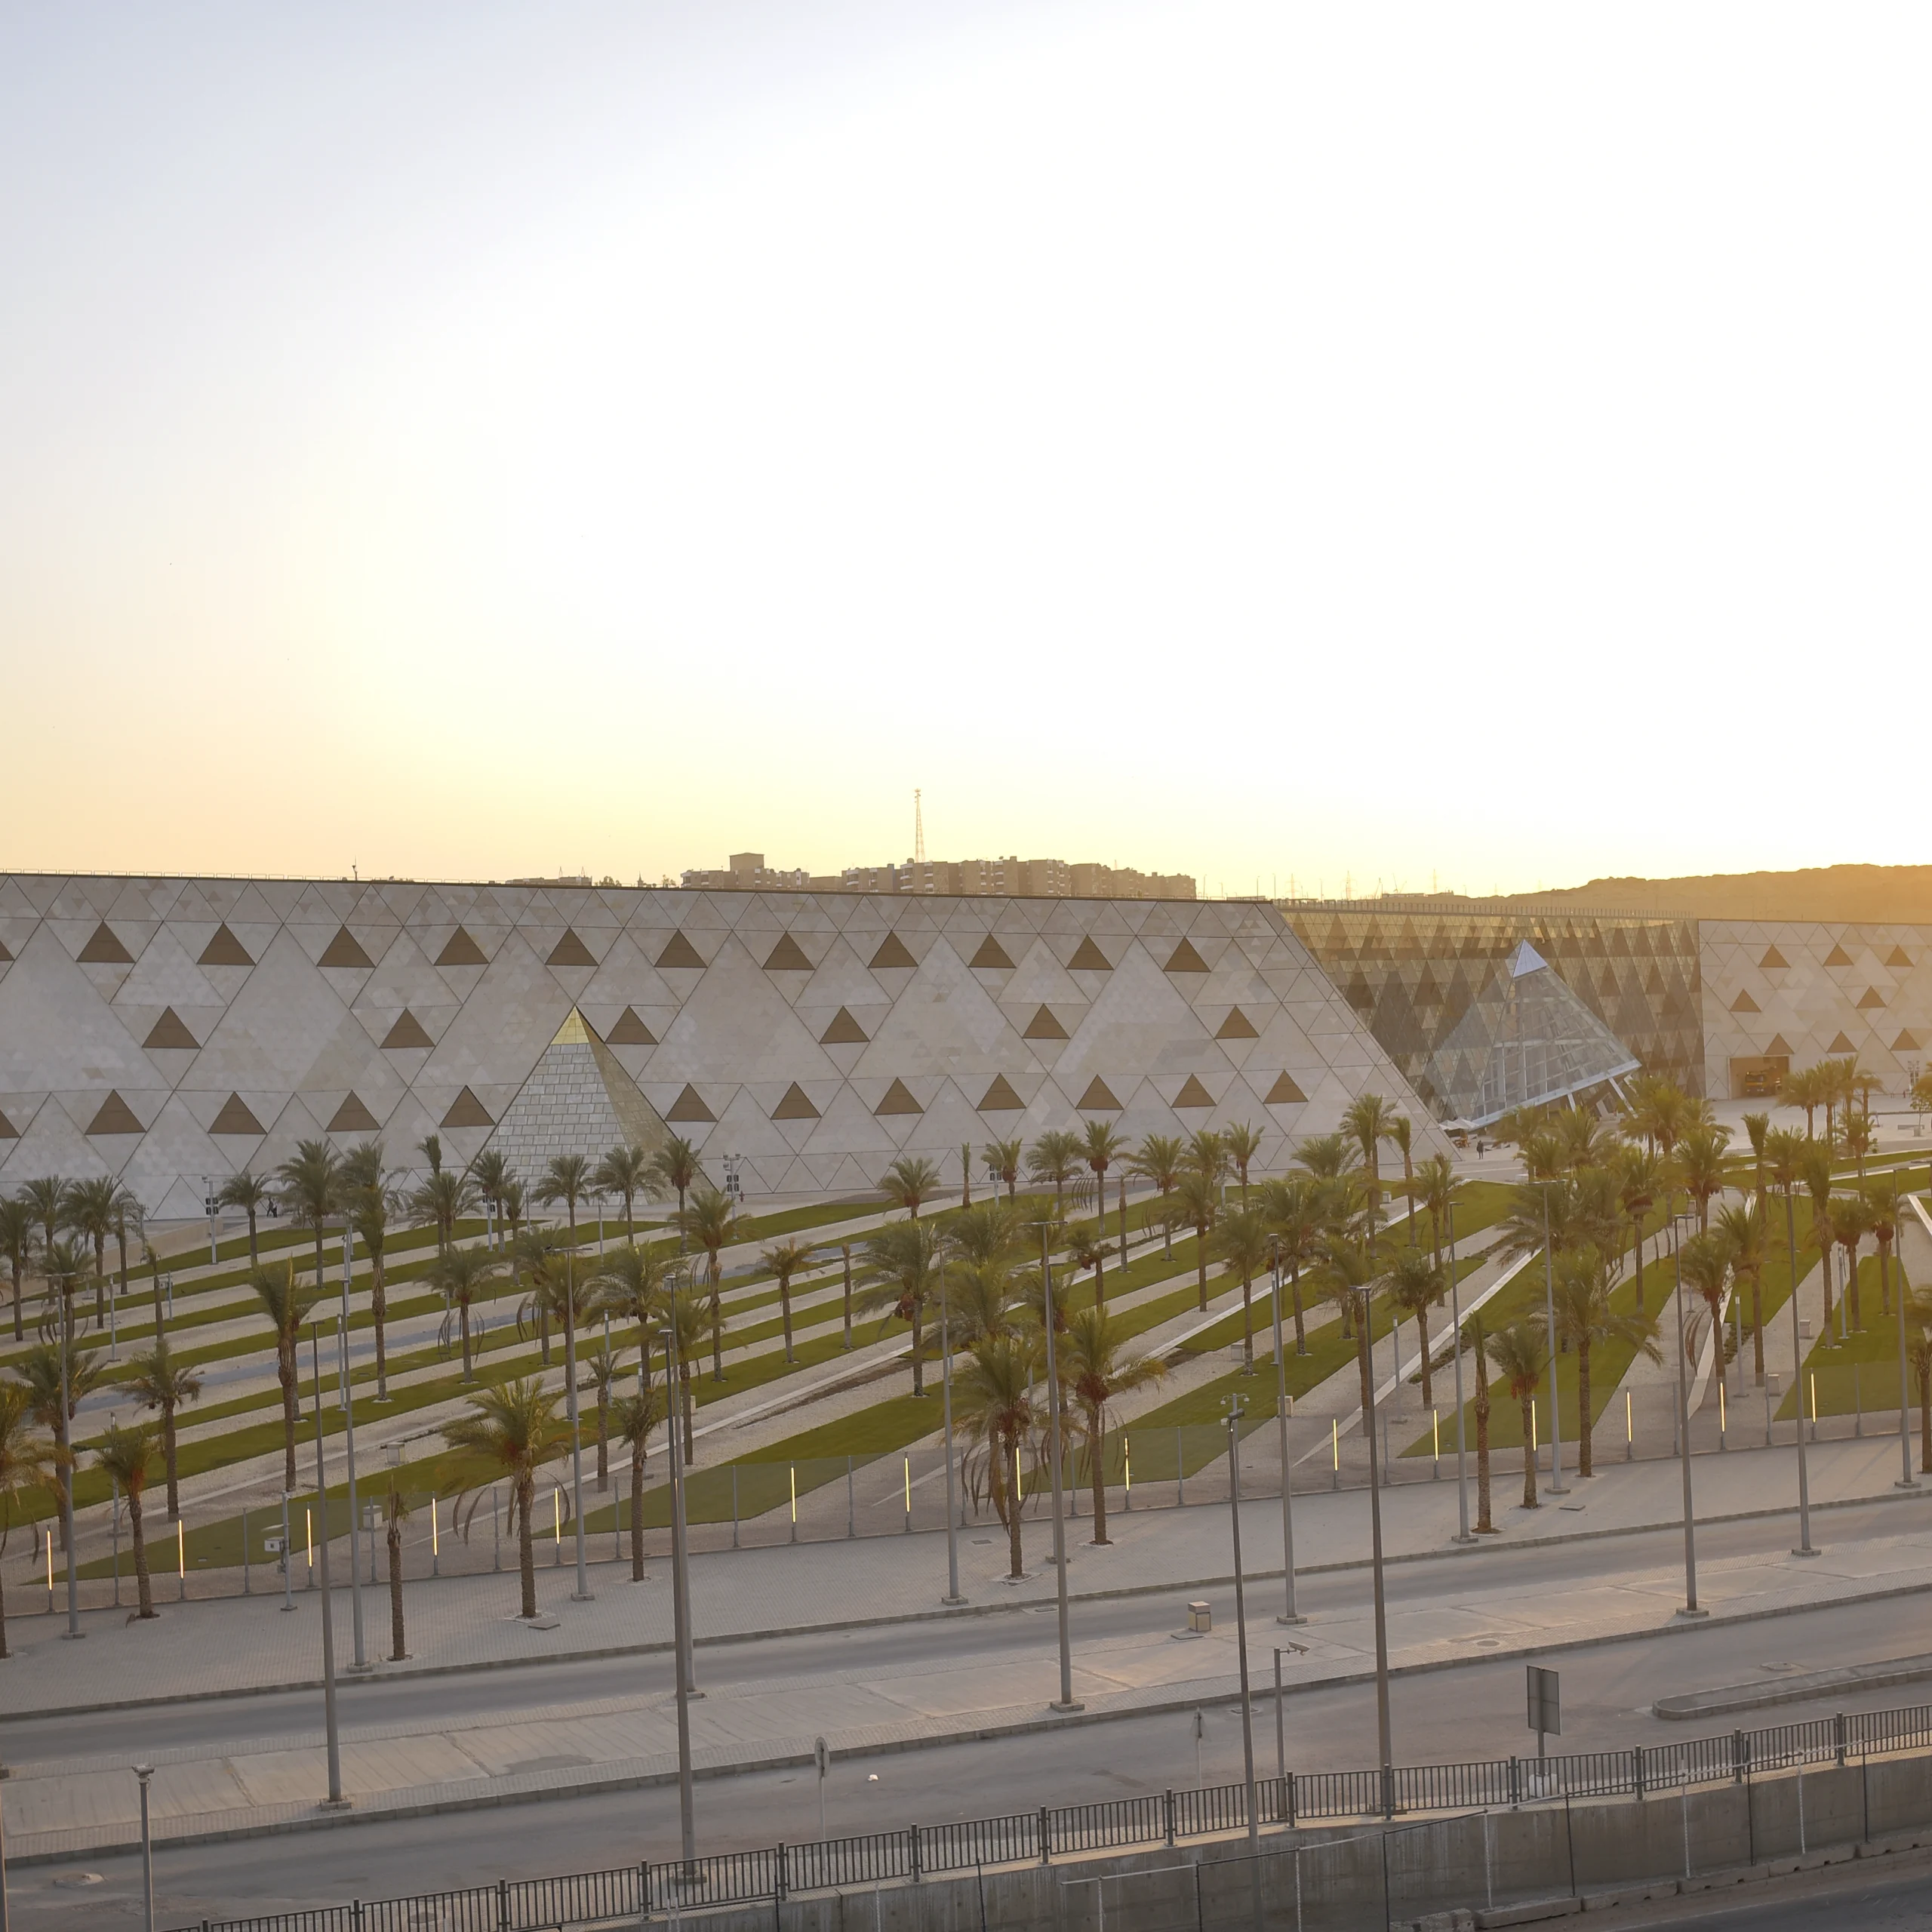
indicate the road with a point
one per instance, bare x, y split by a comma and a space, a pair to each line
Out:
1473, 1709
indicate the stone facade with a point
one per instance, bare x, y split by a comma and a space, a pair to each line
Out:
166, 1030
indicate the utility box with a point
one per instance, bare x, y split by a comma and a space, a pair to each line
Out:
1200, 1617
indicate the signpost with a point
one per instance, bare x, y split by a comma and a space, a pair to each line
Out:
1546, 1707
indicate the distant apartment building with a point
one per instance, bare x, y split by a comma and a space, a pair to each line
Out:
1009, 878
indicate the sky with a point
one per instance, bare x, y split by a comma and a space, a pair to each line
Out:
1310, 447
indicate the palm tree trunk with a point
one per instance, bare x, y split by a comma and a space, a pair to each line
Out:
637, 1512
397, 1651
1294, 1284
254, 1257
462, 1318
1166, 1226
1201, 1263
143, 1584
1583, 1468
1100, 1269
1014, 1552
1529, 1459
685, 1403
717, 1327
1246, 1320
919, 1350
543, 1330
1637, 1222
603, 1436
285, 1367
526, 1554
1851, 1285
379, 1309
160, 1325
785, 1311
19, 1330
1097, 1455
1422, 1349
1925, 1423
167, 1450
1825, 1262
4, 1653
1757, 1326
1485, 1526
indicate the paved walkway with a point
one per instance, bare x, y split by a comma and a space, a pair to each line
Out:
60, 1808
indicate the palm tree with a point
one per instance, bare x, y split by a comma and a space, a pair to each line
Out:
1882, 1197
514, 1428
785, 1258
16, 1246
626, 1171
1415, 1287
1158, 1160
1401, 1134
1056, 1156
1292, 1210
910, 1183
250, 1194
1851, 1221
464, 1275
39, 1371
1102, 1146
1814, 1170
395, 1508
125, 1203
1098, 1366
711, 1220
1244, 1146
689, 1315
1349, 1270
1745, 1233
993, 1399
1858, 1137
1799, 1088
1368, 1122
1473, 1337
1700, 1167
902, 1264
631, 1286
1327, 1156
368, 1198
1242, 1241
124, 1454
157, 1381
602, 1363
1087, 1247
1640, 1175
513, 1205
154, 1276
632, 1418
90, 1213
1004, 1157
533, 1261
444, 1198
489, 1174
431, 1148
1585, 1315
1705, 1261
311, 1191
1199, 1205
287, 1306
1517, 1352
45, 1201
64, 1263
677, 1166
26, 1461
1756, 1127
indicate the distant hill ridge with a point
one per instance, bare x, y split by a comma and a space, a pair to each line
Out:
1876, 895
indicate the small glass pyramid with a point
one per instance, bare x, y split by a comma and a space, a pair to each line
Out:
1526, 1040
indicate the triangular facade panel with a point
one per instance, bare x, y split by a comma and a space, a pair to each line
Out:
352, 1117
891, 952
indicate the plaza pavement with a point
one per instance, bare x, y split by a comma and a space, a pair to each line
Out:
1447, 1613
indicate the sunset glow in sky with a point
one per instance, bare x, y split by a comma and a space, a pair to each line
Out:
1249, 440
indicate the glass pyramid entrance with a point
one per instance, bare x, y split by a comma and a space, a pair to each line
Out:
1525, 1040
578, 1099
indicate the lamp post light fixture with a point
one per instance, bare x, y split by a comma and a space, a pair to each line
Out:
1066, 1702
1804, 1544
335, 1801
1690, 1608
1556, 1483
1289, 1613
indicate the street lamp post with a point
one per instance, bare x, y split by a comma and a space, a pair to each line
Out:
348, 1445
680, 1613
1690, 1608
583, 1593
144, 1773
1383, 1739
1462, 1460
952, 1595
1065, 1701
1556, 1485
1241, 1633
1289, 1613
74, 1630
334, 1800
1804, 1545
1906, 1480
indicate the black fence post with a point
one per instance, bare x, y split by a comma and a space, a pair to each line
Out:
643, 1888
913, 1833
1738, 1750
1838, 1735
1289, 1795
1167, 1812
782, 1886
1516, 1783
1637, 1769
503, 1904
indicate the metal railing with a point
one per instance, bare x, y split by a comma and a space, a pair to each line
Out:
1302, 1798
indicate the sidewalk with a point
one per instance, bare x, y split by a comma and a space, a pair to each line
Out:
60, 1808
